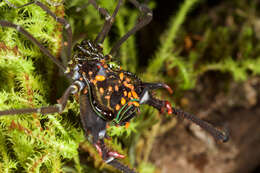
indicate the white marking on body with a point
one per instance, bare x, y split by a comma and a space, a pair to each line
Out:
75, 89
80, 85
102, 134
145, 97
76, 75
110, 159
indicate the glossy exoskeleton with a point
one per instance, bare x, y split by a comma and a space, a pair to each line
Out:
106, 92
110, 92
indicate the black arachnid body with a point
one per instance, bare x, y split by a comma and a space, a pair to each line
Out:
114, 94
106, 92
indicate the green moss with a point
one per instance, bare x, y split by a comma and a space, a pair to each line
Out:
49, 143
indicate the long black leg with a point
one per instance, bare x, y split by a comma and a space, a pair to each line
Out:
153, 86
63, 22
109, 20
218, 135
161, 105
4, 23
45, 110
14, 6
58, 19
112, 161
148, 15
125, 169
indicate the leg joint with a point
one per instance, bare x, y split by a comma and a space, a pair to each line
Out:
108, 18
78, 86
18, 28
110, 159
67, 26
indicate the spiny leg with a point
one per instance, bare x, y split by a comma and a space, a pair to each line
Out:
14, 6
58, 19
109, 157
161, 105
109, 20
121, 167
61, 21
106, 154
148, 15
4, 23
218, 135
153, 86
45, 110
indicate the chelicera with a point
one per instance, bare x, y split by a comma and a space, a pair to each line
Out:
106, 92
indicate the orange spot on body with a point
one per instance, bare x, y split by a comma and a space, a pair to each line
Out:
123, 101
116, 88
121, 76
127, 124
100, 77
101, 90
136, 103
125, 93
128, 85
90, 73
129, 95
85, 91
81, 79
127, 79
117, 107
134, 94
93, 81
110, 89
107, 97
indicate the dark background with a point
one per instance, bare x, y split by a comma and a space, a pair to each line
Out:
243, 120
